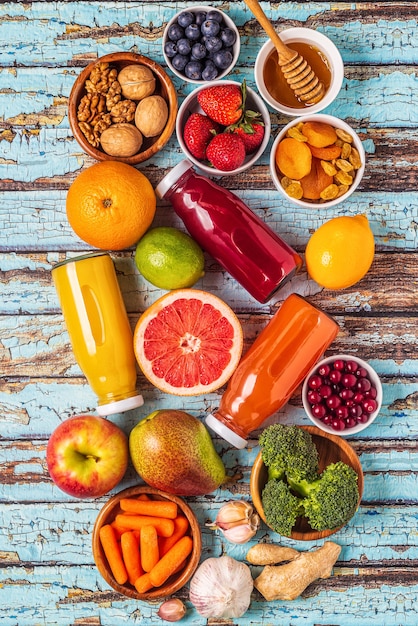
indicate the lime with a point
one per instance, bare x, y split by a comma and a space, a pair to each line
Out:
169, 258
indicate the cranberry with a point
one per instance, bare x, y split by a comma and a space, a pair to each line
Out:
362, 372
342, 412
371, 393
339, 364
356, 410
318, 410
363, 418
350, 422
351, 366
324, 370
333, 402
358, 398
335, 376
313, 397
363, 384
315, 381
325, 391
338, 424
348, 380
369, 406
327, 420
346, 394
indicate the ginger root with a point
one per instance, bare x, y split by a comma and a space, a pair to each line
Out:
270, 554
288, 581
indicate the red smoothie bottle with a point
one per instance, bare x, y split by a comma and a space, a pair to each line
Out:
226, 228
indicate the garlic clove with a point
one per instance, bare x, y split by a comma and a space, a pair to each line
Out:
172, 610
237, 521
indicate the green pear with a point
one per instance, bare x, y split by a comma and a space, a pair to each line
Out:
173, 451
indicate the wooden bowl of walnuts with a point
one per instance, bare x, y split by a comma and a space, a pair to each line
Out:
122, 107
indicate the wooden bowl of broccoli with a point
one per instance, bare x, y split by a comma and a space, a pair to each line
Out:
305, 483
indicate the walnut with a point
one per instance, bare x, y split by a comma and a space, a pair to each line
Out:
123, 111
101, 78
151, 115
90, 105
114, 95
121, 140
137, 82
100, 123
88, 132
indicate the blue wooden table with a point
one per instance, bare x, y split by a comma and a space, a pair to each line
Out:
47, 573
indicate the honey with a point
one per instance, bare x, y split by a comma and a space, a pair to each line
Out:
276, 83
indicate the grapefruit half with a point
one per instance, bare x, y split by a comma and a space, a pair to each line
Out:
189, 342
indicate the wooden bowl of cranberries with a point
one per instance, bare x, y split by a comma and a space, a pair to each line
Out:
342, 395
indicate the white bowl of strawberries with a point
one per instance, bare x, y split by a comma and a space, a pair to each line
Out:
223, 127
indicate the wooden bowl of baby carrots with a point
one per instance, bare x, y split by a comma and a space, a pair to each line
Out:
146, 543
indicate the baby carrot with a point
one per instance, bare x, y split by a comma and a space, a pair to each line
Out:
143, 496
181, 525
164, 527
170, 561
148, 542
113, 553
143, 583
156, 508
131, 556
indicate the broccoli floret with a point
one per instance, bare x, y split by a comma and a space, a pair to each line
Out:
331, 500
289, 452
281, 507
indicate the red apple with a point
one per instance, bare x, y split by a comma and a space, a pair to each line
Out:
87, 456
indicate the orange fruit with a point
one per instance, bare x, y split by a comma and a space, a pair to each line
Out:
340, 252
189, 342
110, 205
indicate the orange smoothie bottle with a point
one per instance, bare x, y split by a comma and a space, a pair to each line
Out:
272, 369
99, 330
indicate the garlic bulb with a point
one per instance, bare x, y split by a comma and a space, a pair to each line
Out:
237, 521
221, 587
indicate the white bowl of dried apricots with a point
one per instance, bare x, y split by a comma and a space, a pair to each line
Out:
317, 161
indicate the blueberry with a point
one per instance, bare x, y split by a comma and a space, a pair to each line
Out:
193, 70
200, 17
184, 47
185, 18
213, 44
210, 28
175, 32
210, 72
179, 62
192, 32
222, 59
170, 49
228, 36
198, 51
214, 15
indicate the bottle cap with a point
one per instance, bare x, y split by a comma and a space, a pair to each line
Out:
224, 431
173, 175
120, 405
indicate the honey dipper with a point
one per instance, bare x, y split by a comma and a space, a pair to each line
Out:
296, 70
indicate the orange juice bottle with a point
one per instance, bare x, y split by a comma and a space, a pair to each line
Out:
272, 369
99, 330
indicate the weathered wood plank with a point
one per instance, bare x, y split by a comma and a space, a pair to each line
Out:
67, 594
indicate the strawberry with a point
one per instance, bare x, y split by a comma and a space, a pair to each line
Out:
226, 152
198, 131
251, 133
222, 103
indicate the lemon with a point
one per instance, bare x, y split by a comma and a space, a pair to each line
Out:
340, 252
169, 258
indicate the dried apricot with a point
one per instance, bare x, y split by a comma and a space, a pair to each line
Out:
319, 134
316, 181
293, 158
327, 153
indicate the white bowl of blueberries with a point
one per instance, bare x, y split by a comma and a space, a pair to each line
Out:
342, 395
201, 44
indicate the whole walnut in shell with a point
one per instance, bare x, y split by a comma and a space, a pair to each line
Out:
151, 115
121, 140
136, 81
